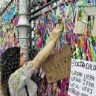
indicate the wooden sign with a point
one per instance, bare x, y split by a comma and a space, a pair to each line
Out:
58, 65
90, 10
80, 27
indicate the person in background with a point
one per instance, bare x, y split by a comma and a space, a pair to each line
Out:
16, 71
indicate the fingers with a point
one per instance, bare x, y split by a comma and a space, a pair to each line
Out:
57, 29
58, 25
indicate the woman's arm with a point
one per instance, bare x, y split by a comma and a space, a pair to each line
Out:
45, 52
17, 79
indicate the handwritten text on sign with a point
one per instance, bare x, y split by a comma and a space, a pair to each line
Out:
82, 78
58, 66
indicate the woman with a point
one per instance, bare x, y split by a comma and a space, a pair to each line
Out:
16, 71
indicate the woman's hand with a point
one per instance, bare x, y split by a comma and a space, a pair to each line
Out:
54, 35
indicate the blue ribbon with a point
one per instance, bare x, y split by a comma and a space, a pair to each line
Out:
10, 14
